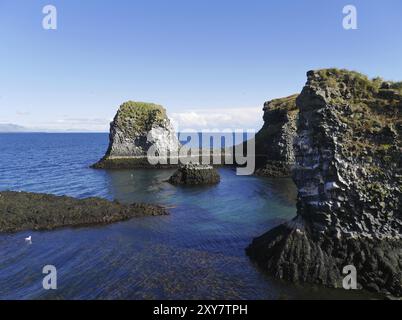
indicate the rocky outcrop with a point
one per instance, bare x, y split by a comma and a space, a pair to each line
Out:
136, 128
348, 175
32, 211
274, 142
195, 174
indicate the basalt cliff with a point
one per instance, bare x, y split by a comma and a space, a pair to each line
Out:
136, 128
348, 174
274, 142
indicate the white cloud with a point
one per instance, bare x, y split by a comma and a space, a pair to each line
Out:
195, 119
234, 118
22, 113
76, 124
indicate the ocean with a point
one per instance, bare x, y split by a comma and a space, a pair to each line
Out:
196, 252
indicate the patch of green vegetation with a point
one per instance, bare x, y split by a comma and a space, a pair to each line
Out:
286, 103
378, 189
370, 113
358, 84
355, 87
277, 113
366, 106
135, 117
397, 86
385, 146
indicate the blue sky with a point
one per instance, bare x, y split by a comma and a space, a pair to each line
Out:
211, 63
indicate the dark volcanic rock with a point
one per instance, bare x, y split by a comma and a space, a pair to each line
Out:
31, 211
274, 142
195, 174
348, 175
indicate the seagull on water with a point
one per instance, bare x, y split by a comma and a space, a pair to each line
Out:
28, 239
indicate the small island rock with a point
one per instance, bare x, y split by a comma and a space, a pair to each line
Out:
195, 174
136, 127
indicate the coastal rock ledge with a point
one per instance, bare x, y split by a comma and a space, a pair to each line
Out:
34, 211
348, 175
195, 174
136, 128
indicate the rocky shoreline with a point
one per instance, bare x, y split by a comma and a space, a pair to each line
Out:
340, 139
21, 211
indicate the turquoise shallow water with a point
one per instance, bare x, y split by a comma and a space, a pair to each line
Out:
197, 252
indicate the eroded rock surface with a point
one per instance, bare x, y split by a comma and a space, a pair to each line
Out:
137, 127
195, 174
348, 175
274, 142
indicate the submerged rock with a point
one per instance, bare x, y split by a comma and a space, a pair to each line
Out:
136, 128
348, 174
195, 174
274, 142
32, 211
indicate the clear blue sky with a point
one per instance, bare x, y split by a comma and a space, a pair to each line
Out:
195, 57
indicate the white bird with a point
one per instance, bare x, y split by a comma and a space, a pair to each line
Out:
28, 239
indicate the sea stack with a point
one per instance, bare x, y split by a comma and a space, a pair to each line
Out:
274, 142
136, 128
349, 179
195, 174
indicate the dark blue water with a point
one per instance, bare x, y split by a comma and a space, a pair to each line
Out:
197, 252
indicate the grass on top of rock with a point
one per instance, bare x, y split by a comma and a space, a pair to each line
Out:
370, 105
371, 111
276, 114
355, 87
286, 103
136, 117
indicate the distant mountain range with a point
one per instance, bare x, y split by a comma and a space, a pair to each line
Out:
9, 127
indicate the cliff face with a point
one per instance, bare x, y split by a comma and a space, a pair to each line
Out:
274, 142
136, 127
348, 175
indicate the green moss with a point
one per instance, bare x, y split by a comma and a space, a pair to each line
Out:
135, 117
385, 146
355, 87
365, 105
286, 103
397, 86
274, 118
358, 84
377, 188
